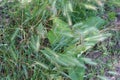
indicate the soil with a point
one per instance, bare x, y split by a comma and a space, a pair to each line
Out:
112, 72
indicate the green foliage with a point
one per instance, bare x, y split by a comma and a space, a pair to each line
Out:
76, 73
113, 3
111, 16
46, 40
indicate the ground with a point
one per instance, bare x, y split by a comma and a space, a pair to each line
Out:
107, 56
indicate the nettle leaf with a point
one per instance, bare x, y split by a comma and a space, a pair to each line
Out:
53, 37
88, 34
61, 27
94, 22
73, 49
76, 73
59, 30
83, 37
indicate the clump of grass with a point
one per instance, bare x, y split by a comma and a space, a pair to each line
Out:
46, 39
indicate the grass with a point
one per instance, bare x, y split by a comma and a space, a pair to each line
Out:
47, 40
